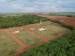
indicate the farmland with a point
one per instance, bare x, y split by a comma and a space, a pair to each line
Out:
24, 33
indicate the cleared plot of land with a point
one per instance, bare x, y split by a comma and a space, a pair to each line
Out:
28, 38
47, 29
31, 35
7, 46
66, 20
35, 33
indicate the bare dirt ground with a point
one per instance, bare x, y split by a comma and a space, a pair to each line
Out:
24, 46
18, 41
44, 38
69, 21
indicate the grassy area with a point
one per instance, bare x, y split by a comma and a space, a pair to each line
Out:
7, 46
28, 38
61, 47
12, 21
51, 30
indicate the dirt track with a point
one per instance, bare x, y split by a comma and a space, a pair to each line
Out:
69, 21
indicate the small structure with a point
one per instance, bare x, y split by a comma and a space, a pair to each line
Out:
16, 32
41, 29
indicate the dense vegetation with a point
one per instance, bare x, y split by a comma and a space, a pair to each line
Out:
61, 47
12, 21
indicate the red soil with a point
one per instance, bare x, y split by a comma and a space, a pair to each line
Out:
44, 38
69, 21
25, 46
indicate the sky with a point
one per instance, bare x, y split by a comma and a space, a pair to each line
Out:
37, 6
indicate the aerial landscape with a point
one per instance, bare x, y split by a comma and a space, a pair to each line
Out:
37, 28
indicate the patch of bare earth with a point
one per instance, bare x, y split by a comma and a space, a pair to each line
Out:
69, 21
13, 32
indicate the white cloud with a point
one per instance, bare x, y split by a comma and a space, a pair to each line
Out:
37, 5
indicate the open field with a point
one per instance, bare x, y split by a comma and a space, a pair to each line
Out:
33, 31
50, 29
65, 46
66, 20
7, 46
29, 36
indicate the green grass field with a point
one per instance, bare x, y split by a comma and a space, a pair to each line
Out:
7, 46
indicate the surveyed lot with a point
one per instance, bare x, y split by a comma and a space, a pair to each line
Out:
30, 35
47, 30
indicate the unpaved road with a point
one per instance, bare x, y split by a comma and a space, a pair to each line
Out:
68, 21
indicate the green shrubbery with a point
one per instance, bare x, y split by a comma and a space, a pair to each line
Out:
12, 21
61, 47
